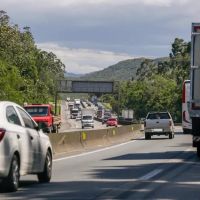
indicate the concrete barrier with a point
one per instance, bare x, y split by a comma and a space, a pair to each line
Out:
70, 142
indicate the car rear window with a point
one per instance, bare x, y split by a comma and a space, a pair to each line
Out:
112, 119
87, 117
158, 116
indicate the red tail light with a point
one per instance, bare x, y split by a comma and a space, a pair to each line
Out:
2, 133
183, 93
144, 123
170, 123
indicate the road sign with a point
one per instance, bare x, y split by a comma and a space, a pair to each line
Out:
81, 86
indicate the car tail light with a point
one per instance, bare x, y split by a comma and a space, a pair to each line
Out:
170, 123
183, 93
2, 133
144, 123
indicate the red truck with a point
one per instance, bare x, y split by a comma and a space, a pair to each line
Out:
43, 115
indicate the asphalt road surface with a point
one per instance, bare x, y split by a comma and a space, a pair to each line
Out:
139, 169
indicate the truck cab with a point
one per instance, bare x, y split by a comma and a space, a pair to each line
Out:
43, 115
87, 121
87, 118
74, 113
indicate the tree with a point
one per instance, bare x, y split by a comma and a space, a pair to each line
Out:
34, 71
158, 86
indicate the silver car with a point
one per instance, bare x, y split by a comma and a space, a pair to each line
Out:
24, 148
158, 123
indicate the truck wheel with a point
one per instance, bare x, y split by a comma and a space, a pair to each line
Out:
54, 128
198, 151
49, 129
11, 182
170, 135
149, 136
45, 176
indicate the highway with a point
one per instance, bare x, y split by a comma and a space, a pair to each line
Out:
69, 125
139, 169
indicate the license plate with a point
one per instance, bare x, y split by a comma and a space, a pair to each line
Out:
157, 130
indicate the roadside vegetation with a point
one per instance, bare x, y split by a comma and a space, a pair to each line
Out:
157, 86
27, 73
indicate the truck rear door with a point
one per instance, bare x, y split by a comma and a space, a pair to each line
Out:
195, 67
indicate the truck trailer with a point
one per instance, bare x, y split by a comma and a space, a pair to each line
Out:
195, 85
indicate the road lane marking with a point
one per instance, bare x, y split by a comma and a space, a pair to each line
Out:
158, 171
151, 174
95, 151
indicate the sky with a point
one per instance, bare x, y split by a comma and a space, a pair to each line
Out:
90, 35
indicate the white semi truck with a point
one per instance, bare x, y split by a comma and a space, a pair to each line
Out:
195, 85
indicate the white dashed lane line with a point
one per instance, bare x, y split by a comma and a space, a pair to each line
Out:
151, 174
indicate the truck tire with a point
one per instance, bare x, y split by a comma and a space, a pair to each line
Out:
198, 151
147, 136
54, 128
170, 135
11, 182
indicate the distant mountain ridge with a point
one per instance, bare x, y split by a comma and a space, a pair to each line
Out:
123, 70
72, 75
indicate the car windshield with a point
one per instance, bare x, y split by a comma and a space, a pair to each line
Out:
158, 116
37, 111
74, 111
106, 116
87, 117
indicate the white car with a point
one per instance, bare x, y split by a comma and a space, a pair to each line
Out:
24, 148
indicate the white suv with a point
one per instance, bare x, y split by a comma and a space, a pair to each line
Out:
24, 148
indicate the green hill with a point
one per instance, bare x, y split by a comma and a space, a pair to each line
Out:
124, 70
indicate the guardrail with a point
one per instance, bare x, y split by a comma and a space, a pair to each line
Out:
70, 142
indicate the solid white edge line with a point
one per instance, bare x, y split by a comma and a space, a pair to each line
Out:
95, 151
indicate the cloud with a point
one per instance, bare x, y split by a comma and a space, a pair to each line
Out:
134, 27
68, 3
81, 61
